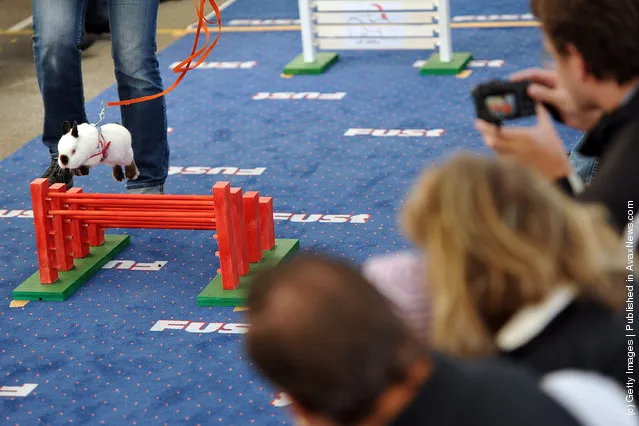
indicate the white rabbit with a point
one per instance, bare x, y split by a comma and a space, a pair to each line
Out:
84, 146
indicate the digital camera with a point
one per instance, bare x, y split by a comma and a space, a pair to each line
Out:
497, 101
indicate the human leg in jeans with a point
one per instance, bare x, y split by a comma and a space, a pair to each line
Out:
586, 167
133, 31
58, 34
58, 27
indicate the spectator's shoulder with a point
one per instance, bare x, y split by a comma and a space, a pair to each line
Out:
509, 394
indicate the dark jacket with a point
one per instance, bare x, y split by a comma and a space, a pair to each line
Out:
568, 333
482, 393
615, 141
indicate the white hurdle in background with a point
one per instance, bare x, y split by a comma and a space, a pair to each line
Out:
382, 25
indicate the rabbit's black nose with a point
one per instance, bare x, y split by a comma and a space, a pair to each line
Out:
64, 159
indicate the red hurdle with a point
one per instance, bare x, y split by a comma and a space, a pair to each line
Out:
68, 223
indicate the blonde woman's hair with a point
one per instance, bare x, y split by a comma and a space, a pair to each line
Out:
499, 237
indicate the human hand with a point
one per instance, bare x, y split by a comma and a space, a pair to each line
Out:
545, 88
538, 147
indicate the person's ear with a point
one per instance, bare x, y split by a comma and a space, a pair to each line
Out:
576, 63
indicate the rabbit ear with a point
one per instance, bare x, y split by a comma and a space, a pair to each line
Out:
66, 127
74, 129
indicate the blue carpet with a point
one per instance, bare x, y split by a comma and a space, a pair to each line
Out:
287, 9
95, 357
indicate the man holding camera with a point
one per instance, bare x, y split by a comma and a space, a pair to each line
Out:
595, 47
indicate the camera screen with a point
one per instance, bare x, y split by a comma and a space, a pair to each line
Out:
502, 106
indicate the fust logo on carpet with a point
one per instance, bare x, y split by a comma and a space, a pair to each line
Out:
233, 171
414, 133
17, 391
287, 96
322, 218
200, 327
247, 65
131, 265
483, 63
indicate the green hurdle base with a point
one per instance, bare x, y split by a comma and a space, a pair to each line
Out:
214, 295
323, 60
434, 66
70, 281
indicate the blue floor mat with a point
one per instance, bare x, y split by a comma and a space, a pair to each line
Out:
288, 9
97, 357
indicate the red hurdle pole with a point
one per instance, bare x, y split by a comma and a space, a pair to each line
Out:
144, 197
79, 233
61, 230
252, 220
43, 231
267, 223
151, 224
139, 225
94, 231
145, 204
139, 215
239, 228
225, 239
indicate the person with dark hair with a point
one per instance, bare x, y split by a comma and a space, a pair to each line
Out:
595, 47
325, 336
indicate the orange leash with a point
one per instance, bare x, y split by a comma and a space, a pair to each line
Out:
185, 66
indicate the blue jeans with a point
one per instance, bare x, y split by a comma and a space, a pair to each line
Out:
586, 167
58, 32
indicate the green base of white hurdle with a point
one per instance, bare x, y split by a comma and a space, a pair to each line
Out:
321, 63
434, 66
324, 60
